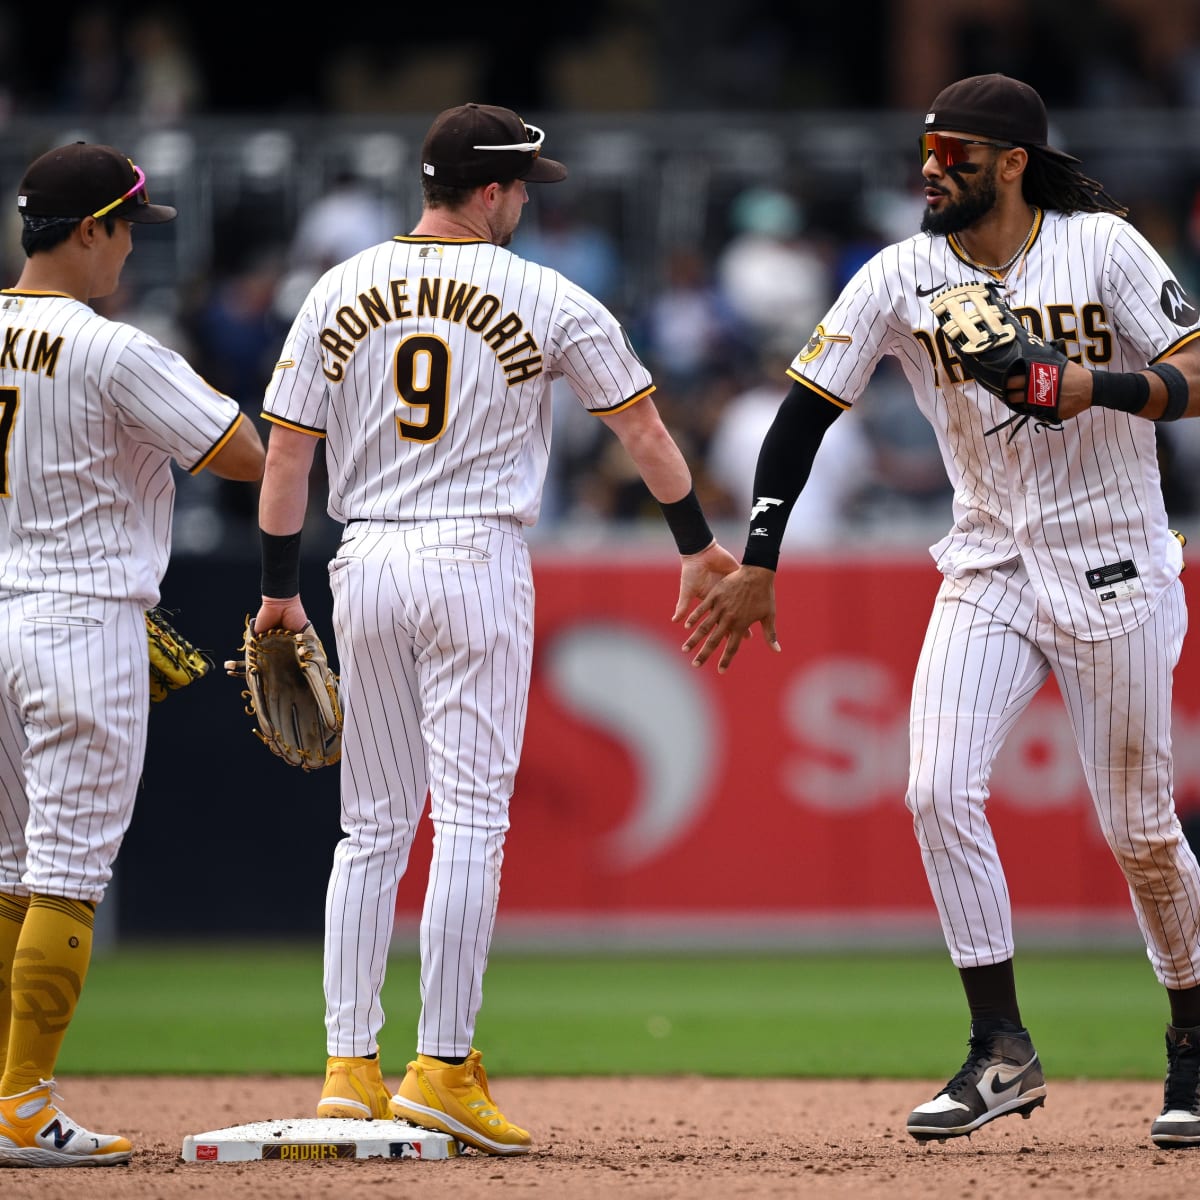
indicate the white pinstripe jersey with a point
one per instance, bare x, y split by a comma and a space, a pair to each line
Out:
1084, 498
428, 364
92, 411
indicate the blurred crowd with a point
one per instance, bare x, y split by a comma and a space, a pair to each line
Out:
717, 328
717, 331
718, 324
721, 306
609, 55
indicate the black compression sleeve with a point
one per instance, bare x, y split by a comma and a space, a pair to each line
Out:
784, 463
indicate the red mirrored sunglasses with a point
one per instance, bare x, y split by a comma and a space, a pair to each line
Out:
951, 151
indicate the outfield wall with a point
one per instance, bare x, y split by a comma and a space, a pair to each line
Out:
654, 800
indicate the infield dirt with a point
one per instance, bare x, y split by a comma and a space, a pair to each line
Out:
645, 1139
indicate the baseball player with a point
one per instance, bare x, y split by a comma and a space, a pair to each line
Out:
1059, 561
92, 414
426, 364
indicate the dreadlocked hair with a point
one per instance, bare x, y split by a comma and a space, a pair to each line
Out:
1054, 183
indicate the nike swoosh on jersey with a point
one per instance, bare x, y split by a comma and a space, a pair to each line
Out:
929, 291
1004, 1082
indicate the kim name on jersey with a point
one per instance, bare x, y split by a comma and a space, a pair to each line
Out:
514, 346
30, 350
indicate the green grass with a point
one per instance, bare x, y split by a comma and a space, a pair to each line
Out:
157, 1010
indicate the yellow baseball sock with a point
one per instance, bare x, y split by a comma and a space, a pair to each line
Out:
49, 967
12, 914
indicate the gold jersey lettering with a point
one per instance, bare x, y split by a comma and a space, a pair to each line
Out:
482, 313
507, 327
458, 297
352, 323
439, 298
39, 353
526, 343
428, 291
45, 357
374, 308
527, 368
8, 357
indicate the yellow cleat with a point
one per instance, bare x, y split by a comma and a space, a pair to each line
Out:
35, 1132
354, 1089
455, 1100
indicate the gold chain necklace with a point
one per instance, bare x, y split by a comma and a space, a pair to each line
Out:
1019, 253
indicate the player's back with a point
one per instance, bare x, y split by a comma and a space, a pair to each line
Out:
437, 357
85, 500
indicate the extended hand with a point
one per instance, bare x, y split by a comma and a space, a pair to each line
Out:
700, 573
728, 611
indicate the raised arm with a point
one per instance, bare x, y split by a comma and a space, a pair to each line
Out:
703, 561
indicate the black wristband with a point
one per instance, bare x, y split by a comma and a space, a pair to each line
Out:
1125, 391
1177, 391
280, 564
687, 524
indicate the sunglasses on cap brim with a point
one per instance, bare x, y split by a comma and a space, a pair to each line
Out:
139, 186
532, 146
952, 151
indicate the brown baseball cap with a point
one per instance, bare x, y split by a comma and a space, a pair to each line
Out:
88, 180
475, 144
996, 106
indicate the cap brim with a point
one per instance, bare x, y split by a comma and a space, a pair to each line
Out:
544, 170
1061, 155
147, 214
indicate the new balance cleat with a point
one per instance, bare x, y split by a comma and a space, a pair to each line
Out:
456, 1100
354, 1089
1178, 1127
1001, 1075
35, 1132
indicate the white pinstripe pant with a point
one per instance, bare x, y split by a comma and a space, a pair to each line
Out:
74, 710
987, 651
434, 627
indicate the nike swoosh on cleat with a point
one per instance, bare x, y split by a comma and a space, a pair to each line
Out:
929, 291
1005, 1082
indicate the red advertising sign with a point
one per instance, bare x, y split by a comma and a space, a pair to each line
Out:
650, 789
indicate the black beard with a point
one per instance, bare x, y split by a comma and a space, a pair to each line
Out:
962, 213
